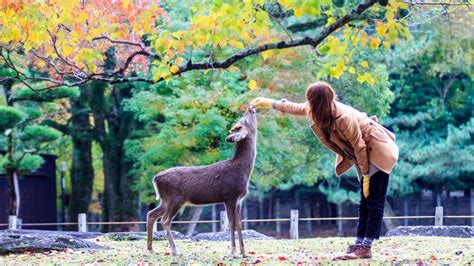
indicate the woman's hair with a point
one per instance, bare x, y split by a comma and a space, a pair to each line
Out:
322, 108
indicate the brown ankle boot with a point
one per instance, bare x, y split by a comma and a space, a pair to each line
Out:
349, 250
360, 253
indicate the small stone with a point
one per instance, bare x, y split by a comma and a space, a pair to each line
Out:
458, 252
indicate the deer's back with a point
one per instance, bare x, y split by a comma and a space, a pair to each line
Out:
203, 184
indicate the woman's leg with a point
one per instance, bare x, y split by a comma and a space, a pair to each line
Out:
363, 215
376, 203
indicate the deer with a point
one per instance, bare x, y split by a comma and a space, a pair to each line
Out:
224, 182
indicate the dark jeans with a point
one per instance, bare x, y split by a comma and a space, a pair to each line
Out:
371, 208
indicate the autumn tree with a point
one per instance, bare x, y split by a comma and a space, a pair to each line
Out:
104, 46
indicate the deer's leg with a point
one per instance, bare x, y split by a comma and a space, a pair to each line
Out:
166, 222
238, 224
151, 218
231, 207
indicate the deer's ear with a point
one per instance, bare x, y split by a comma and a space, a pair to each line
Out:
236, 136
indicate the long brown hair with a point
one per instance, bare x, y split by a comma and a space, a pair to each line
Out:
321, 98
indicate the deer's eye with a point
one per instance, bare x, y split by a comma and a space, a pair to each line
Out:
236, 128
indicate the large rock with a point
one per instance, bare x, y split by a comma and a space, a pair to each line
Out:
225, 236
82, 235
132, 236
449, 231
19, 242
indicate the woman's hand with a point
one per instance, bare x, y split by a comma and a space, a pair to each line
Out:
262, 102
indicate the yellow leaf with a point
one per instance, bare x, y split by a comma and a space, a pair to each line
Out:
386, 44
298, 12
239, 45
337, 71
252, 84
389, 15
285, 3
266, 54
67, 50
364, 38
174, 69
381, 30
352, 70
364, 64
223, 43
374, 43
331, 20
369, 79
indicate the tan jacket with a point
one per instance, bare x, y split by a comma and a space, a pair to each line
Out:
355, 138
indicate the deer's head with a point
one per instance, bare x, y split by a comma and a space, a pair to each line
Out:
247, 125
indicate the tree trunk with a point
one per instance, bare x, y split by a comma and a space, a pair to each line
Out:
12, 179
13, 192
471, 196
196, 215
112, 127
270, 209
405, 210
340, 229
277, 215
309, 226
82, 172
439, 198
419, 202
260, 208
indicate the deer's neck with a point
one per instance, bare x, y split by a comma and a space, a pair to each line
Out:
245, 151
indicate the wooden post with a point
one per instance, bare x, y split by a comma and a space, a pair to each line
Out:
214, 214
12, 222
277, 215
224, 222
294, 224
155, 226
245, 215
82, 222
439, 216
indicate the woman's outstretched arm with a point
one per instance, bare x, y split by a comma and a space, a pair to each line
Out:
283, 106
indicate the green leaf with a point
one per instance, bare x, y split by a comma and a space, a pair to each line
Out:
9, 117
39, 134
27, 94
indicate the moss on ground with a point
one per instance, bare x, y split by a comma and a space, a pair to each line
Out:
399, 250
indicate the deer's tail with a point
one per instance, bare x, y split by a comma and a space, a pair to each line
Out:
155, 186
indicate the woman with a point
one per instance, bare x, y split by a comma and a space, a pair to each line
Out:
357, 140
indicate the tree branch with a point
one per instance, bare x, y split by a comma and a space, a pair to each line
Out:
113, 79
63, 128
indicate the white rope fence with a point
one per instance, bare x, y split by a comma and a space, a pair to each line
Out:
82, 224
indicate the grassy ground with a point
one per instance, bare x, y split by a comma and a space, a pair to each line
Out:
399, 250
